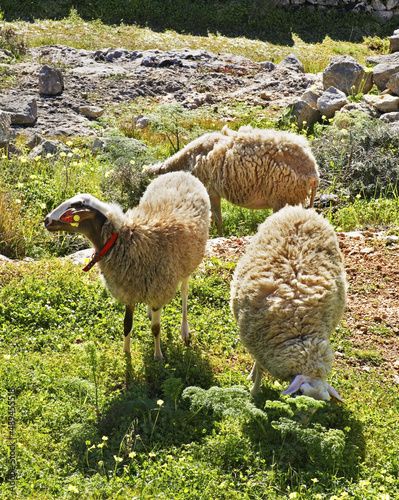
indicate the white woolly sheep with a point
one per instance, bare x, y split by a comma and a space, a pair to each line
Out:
288, 295
157, 246
251, 168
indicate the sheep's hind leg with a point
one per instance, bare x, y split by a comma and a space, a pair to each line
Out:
184, 323
156, 331
216, 211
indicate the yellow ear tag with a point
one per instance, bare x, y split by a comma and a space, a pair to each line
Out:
74, 224
76, 218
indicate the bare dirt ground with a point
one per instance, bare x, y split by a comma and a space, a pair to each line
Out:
372, 312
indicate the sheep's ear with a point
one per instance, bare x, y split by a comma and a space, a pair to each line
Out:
76, 215
295, 384
333, 393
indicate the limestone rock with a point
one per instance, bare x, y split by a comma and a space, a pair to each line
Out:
346, 74
292, 61
394, 43
331, 101
390, 117
91, 111
310, 96
383, 72
141, 121
22, 110
49, 147
5, 124
51, 81
385, 103
393, 84
304, 114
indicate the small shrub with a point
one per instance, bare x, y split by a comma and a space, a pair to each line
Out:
358, 155
238, 221
12, 241
125, 181
304, 426
19, 227
11, 41
362, 214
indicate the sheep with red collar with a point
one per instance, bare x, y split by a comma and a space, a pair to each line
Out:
288, 295
252, 168
145, 253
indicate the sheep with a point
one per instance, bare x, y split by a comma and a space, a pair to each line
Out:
252, 168
288, 295
145, 253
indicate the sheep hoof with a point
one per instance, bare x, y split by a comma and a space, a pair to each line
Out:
159, 357
254, 390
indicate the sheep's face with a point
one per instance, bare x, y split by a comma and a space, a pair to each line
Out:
315, 388
74, 215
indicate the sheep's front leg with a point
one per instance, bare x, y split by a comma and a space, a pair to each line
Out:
127, 327
256, 377
156, 331
184, 323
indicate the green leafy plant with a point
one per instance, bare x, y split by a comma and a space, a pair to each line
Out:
357, 154
12, 42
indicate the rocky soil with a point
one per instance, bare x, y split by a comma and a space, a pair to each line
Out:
111, 77
372, 312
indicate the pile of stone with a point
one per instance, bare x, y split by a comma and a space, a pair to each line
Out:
344, 77
50, 102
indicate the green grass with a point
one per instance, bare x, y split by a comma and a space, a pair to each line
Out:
186, 428
81, 434
97, 35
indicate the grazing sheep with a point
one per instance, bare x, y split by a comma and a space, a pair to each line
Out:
146, 252
251, 168
288, 295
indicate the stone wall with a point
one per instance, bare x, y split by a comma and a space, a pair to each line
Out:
385, 9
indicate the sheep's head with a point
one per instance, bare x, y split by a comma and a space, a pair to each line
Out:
315, 388
77, 215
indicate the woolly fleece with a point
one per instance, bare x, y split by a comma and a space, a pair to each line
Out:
251, 168
160, 242
288, 294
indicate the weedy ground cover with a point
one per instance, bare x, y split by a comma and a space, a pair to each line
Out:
187, 428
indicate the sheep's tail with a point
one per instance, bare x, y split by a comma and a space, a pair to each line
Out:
314, 185
172, 164
157, 168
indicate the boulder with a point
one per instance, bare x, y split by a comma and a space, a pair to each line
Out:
91, 111
49, 147
5, 124
331, 101
383, 72
51, 81
390, 117
304, 114
346, 74
292, 62
385, 103
394, 43
393, 84
22, 110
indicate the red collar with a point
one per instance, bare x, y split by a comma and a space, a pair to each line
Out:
99, 255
